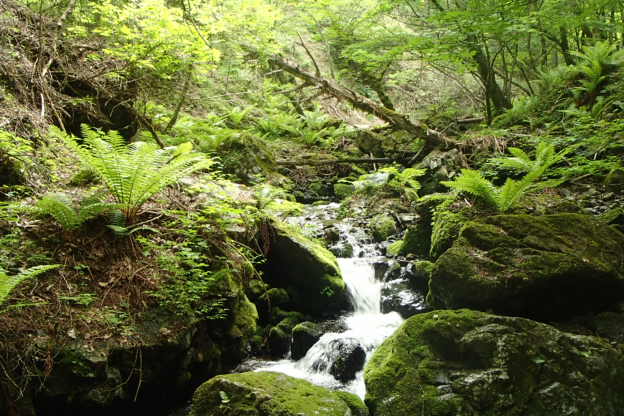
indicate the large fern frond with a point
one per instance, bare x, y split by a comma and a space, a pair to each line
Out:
135, 172
8, 283
59, 207
472, 182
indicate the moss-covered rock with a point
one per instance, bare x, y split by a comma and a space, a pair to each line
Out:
280, 336
308, 271
419, 274
467, 363
382, 227
545, 267
343, 190
356, 405
416, 241
304, 335
268, 394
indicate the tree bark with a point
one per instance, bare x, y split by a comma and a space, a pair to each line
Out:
432, 138
334, 161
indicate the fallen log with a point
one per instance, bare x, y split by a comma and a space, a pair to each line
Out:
433, 139
333, 161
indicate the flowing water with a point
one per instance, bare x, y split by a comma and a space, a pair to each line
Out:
366, 325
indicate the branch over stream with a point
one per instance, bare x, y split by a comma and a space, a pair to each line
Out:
433, 139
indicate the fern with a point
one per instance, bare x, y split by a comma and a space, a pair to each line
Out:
545, 157
8, 283
135, 172
59, 206
503, 198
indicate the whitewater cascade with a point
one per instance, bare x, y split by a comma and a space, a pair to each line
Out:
366, 325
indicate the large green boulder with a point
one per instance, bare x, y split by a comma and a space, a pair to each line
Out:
308, 271
270, 394
544, 267
467, 363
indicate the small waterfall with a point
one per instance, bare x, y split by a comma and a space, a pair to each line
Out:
366, 326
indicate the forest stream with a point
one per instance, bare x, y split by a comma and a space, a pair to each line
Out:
363, 329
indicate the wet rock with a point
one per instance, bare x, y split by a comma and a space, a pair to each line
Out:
382, 227
304, 335
393, 271
280, 336
469, 363
398, 296
381, 267
269, 394
546, 267
308, 271
418, 273
342, 249
349, 360
331, 235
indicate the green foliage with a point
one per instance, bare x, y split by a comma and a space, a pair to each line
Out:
393, 179
135, 172
60, 207
596, 64
203, 267
502, 198
8, 283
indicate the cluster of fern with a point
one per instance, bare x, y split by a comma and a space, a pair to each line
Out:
8, 283
502, 198
132, 174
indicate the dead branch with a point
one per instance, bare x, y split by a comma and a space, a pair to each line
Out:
432, 138
333, 161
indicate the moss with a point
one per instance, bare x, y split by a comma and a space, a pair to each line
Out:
395, 248
265, 394
343, 190
420, 274
416, 241
245, 319
445, 229
308, 271
468, 363
280, 335
358, 408
615, 179
531, 266
382, 227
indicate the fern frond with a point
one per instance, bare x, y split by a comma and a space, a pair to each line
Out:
510, 193
59, 207
8, 283
135, 172
472, 182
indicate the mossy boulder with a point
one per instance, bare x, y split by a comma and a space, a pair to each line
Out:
269, 394
304, 335
417, 241
343, 190
544, 267
383, 226
308, 271
280, 336
467, 363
